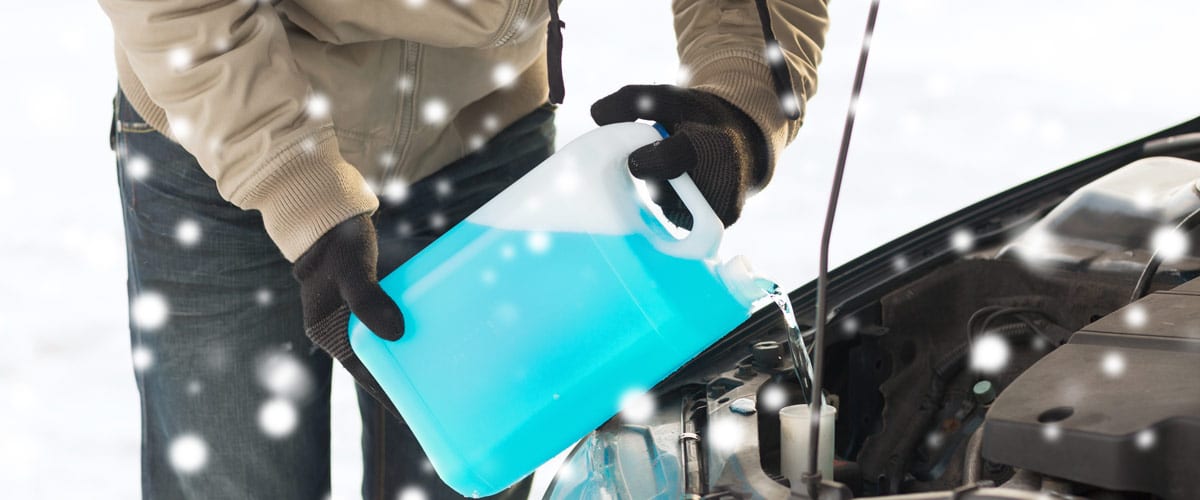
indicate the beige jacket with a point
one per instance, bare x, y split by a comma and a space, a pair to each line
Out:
292, 105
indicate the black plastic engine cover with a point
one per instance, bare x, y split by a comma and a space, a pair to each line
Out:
1118, 406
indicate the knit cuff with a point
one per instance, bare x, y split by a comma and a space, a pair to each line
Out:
304, 190
743, 78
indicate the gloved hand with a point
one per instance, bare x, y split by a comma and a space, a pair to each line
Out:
337, 275
340, 268
713, 141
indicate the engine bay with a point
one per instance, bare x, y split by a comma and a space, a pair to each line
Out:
1012, 366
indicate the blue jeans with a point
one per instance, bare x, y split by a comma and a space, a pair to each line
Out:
234, 397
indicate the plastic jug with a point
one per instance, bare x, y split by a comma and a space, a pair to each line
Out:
528, 322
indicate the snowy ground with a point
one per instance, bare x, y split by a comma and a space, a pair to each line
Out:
962, 100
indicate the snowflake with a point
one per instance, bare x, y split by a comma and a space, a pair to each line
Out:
404, 83
221, 44
1113, 364
725, 435
1051, 433
488, 277
387, 160
637, 406
188, 453
264, 296
284, 376
194, 387
426, 466
181, 127
404, 228
935, 439
900, 263
187, 232
566, 473
395, 190
645, 104
1135, 316
475, 142
962, 241
491, 123
989, 353
317, 105
850, 325
443, 188
149, 311
415, 3
773, 397
179, 58
773, 53
138, 167
683, 75
508, 252
1145, 439
504, 74
278, 418
538, 242
143, 358
789, 103
1170, 243
437, 220
435, 111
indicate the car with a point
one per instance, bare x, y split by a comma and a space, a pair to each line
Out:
1024, 346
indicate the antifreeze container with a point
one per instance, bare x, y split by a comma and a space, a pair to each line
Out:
529, 322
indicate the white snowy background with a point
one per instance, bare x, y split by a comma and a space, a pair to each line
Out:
962, 100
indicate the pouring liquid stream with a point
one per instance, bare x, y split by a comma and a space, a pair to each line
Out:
801, 363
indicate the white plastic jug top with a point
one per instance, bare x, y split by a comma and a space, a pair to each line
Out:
586, 188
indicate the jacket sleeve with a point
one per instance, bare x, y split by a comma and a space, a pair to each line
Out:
223, 73
721, 47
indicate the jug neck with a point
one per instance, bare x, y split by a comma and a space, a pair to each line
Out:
742, 282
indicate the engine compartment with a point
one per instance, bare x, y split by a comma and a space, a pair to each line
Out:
994, 372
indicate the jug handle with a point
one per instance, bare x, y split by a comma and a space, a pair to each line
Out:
707, 229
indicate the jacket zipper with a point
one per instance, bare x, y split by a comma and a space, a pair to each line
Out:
515, 23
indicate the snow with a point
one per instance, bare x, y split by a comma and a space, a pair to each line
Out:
395, 190
149, 311
179, 58
317, 105
188, 453
1170, 243
1135, 316
278, 418
538, 242
773, 397
138, 167
1145, 439
989, 353
412, 493
725, 435
188, 232
504, 74
434, 111
1012, 83
962, 240
1113, 364
637, 406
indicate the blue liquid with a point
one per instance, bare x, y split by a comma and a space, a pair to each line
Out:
517, 344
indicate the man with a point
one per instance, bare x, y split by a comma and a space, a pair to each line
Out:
251, 135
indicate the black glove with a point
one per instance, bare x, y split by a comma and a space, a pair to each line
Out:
713, 141
340, 268
337, 271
